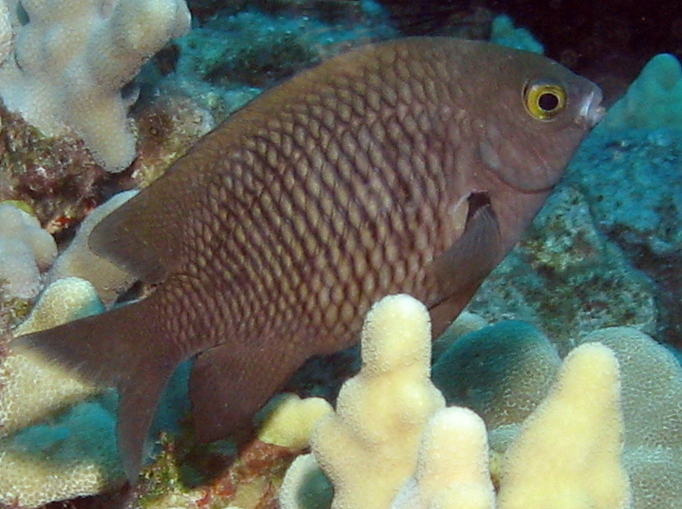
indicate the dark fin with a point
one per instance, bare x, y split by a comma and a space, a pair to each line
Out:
228, 387
459, 271
119, 348
145, 235
129, 238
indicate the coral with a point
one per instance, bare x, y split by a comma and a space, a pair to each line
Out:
457, 481
653, 100
502, 371
167, 128
26, 250
568, 452
57, 177
651, 388
651, 395
72, 456
30, 387
108, 279
643, 217
289, 421
70, 60
244, 47
504, 32
380, 413
605, 435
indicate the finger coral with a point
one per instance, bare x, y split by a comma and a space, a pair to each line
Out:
70, 60
25, 250
572, 440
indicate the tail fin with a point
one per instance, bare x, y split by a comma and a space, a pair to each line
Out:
120, 348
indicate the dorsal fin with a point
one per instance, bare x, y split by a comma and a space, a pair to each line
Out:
144, 235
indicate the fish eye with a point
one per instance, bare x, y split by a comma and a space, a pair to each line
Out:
544, 100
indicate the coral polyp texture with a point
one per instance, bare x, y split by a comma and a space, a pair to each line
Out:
65, 63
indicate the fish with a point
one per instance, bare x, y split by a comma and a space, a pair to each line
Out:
412, 166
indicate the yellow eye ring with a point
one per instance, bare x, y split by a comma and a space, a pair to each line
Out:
544, 100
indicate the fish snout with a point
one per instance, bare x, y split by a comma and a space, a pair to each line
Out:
591, 111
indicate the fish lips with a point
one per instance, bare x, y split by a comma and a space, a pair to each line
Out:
591, 111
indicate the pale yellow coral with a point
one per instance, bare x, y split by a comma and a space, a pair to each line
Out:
452, 470
290, 421
652, 411
569, 451
32, 388
73, 456
368, 448
78, 260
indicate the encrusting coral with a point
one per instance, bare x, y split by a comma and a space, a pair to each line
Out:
73, 453
653, 100
30, 387
65, 63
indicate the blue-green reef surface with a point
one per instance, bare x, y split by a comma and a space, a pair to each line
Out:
605, 252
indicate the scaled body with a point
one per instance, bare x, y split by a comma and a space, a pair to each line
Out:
410, 166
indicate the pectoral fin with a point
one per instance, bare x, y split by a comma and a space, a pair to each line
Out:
455, 275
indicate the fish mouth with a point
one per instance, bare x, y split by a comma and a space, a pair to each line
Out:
591, 111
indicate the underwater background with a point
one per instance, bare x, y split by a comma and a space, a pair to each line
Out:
605, 251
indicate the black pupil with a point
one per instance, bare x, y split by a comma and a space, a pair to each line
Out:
548, 101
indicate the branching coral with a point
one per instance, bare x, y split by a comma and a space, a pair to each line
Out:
25, 250
572, 441
70, 60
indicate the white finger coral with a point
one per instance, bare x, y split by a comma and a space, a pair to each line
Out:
25, 251
71, 58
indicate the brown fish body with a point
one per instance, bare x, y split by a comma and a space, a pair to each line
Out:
401, 167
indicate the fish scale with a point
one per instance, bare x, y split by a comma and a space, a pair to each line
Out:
408, 166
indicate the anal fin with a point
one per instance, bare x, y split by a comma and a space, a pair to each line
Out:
229, 385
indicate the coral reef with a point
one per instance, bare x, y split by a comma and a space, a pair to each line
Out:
650, 380
247, 46
57, 177
643, 217
70, 60
567, 276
